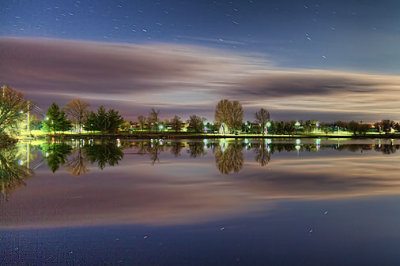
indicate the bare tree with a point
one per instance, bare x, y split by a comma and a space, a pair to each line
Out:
77, 111
236, 119
141, 121
153, 117
223, 112
262, 117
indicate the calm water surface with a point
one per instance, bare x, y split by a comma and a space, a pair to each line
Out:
211, 202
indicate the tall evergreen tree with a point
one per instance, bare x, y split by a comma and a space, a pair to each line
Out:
104, 121
56, 119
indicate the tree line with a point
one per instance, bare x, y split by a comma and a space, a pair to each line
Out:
228, 119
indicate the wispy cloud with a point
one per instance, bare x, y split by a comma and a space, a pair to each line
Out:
182, 75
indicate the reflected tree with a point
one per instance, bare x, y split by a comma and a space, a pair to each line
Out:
386, 148
106, 153
55, 154
176, 148
280, 147
229, 158
263, 154
77, 163
196, 149
12, 174
154, 149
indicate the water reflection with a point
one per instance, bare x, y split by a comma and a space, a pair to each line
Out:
104, 154
196, 149
55, 154
12, 170
176, 148
77, 156
78, 163
171, 182
263, 153
229, 157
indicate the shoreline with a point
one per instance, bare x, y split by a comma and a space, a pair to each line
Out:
207, 136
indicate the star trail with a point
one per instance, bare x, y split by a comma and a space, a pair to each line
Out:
328, 60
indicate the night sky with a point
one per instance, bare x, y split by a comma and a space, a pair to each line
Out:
323, 60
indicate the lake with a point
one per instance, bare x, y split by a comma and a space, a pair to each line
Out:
201, 202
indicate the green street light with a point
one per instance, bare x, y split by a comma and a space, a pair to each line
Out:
160, 127
268, 124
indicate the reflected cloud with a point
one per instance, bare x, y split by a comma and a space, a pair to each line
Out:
248, 177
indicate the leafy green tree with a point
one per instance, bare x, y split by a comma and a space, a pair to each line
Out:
104, 121
310, 125
35, 122
283, 128
289, 128
91, 122
114, 121
12, 106
56, 119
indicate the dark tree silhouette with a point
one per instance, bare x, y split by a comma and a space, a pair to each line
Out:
176, 123
196, 123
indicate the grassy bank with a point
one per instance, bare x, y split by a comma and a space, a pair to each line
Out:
185, 135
